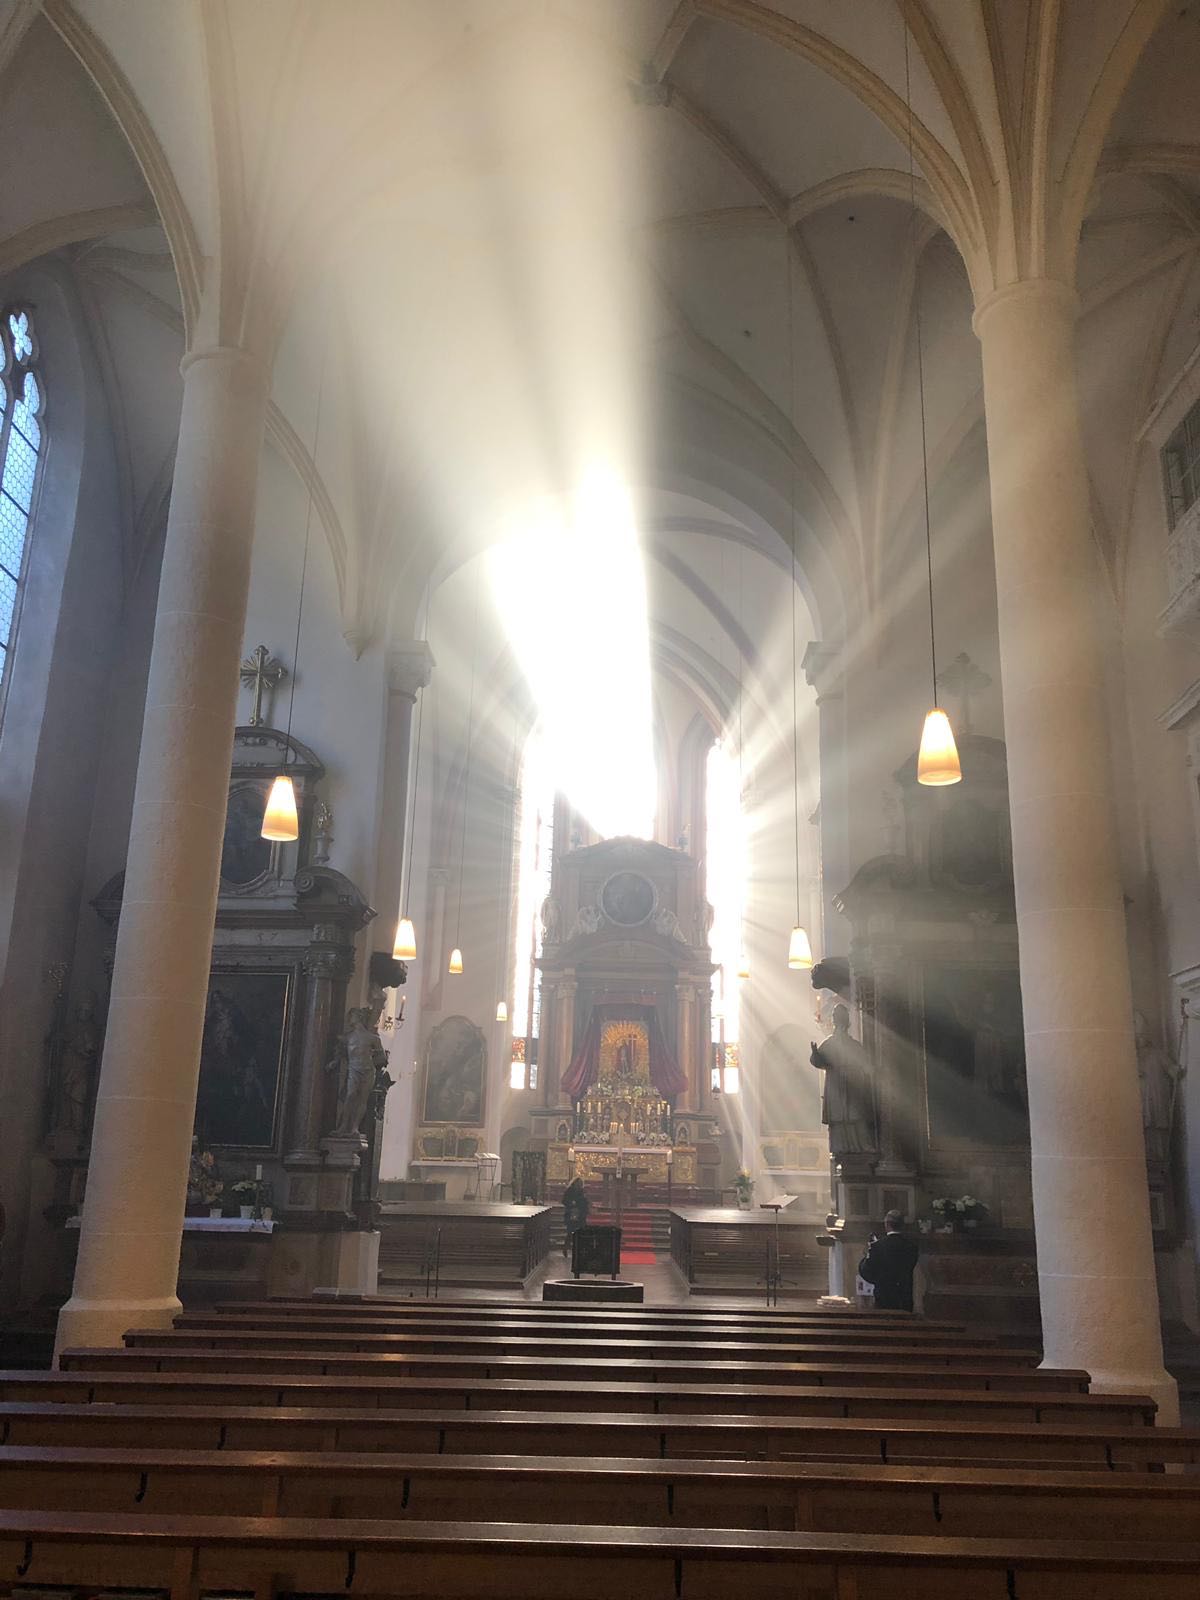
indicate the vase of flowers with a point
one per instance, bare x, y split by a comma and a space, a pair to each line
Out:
743, 1185
205, 1188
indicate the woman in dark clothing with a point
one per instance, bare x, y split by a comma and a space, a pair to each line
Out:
575, 1210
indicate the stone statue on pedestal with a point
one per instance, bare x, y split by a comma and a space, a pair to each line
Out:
1158, 1078
362, 1056
846, 1100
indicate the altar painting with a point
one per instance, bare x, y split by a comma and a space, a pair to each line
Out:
246, 1023
455, 1073
625, 1051
974, 1040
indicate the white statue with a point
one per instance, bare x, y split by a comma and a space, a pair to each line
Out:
667, 924
1158, 1078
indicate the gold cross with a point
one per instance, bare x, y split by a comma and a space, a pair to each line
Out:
261, 670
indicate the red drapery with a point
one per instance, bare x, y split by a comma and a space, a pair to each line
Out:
667, 1076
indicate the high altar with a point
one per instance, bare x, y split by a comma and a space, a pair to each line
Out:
624, 1040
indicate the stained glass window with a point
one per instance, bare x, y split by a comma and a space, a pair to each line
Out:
20, 451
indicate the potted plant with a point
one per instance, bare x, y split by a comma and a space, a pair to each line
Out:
963, 1211
246, 1190
743, 1183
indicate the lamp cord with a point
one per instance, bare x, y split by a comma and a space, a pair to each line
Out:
287, 748
406, 871
462, 854
912, 197
787, 261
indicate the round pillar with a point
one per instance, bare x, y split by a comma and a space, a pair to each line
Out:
146, 1102
1091, 1208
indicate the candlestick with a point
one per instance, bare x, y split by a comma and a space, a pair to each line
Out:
258, 1173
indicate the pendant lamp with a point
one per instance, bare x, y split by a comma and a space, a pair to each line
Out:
799, 948
800, 956
743, 966
502, 1011
405, 947
456, 965
281, 821
937, 759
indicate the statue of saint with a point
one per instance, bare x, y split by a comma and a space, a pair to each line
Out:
361, 1053
846, 1100
1158, 1078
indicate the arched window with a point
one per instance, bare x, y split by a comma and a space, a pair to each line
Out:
20, 451
725, 878
535, 859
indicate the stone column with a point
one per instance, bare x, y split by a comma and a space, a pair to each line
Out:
327, 965
823, 672
563, 1038
137, 1183
1091, 1209
685, 1035
409, 669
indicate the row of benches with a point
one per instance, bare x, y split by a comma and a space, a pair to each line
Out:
501, 1449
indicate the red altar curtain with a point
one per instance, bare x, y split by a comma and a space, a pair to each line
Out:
667, 1076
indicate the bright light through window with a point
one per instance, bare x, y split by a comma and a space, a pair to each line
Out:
535, 859
571, 592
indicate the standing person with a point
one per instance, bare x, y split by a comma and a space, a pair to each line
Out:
575, 1210
889, 1264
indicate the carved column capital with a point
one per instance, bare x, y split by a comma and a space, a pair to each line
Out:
822, 665
409, 668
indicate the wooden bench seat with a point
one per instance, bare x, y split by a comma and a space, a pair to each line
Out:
516, 1561
618, 1316
887, 1350
1031, 1405
594, 1434
547, 1331
138, 1373
968, 1502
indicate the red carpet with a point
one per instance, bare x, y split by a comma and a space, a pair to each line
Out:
638, 1258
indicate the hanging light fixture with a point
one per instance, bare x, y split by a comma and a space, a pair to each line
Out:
937, 758
743, 966
281, 821
405, 946
456, 959
502, 1011
799, 949
800, 956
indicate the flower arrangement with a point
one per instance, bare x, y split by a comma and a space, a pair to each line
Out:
204, 1186
744, 1184
654, 1137
964, 1209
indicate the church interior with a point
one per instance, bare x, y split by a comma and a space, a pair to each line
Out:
601, 607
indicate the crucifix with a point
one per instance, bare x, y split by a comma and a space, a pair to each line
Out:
963, 678
260, 671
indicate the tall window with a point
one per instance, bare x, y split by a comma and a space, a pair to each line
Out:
725, 877
535, 858
20, 448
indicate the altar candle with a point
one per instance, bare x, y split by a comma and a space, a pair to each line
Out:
258, 1173
670, 1153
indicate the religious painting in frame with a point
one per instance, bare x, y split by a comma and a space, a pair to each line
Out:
455, 1077
247, 1020
974, 1049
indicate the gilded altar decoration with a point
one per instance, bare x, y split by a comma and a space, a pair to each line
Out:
623, 1107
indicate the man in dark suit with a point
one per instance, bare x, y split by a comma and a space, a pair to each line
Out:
889, 1264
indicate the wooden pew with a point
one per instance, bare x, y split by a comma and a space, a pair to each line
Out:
944, 1351
522, 1394
513, 1561
956, 1502
141, 1374
564, 1311
595, 1434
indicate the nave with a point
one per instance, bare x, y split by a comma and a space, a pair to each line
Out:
471, 1449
